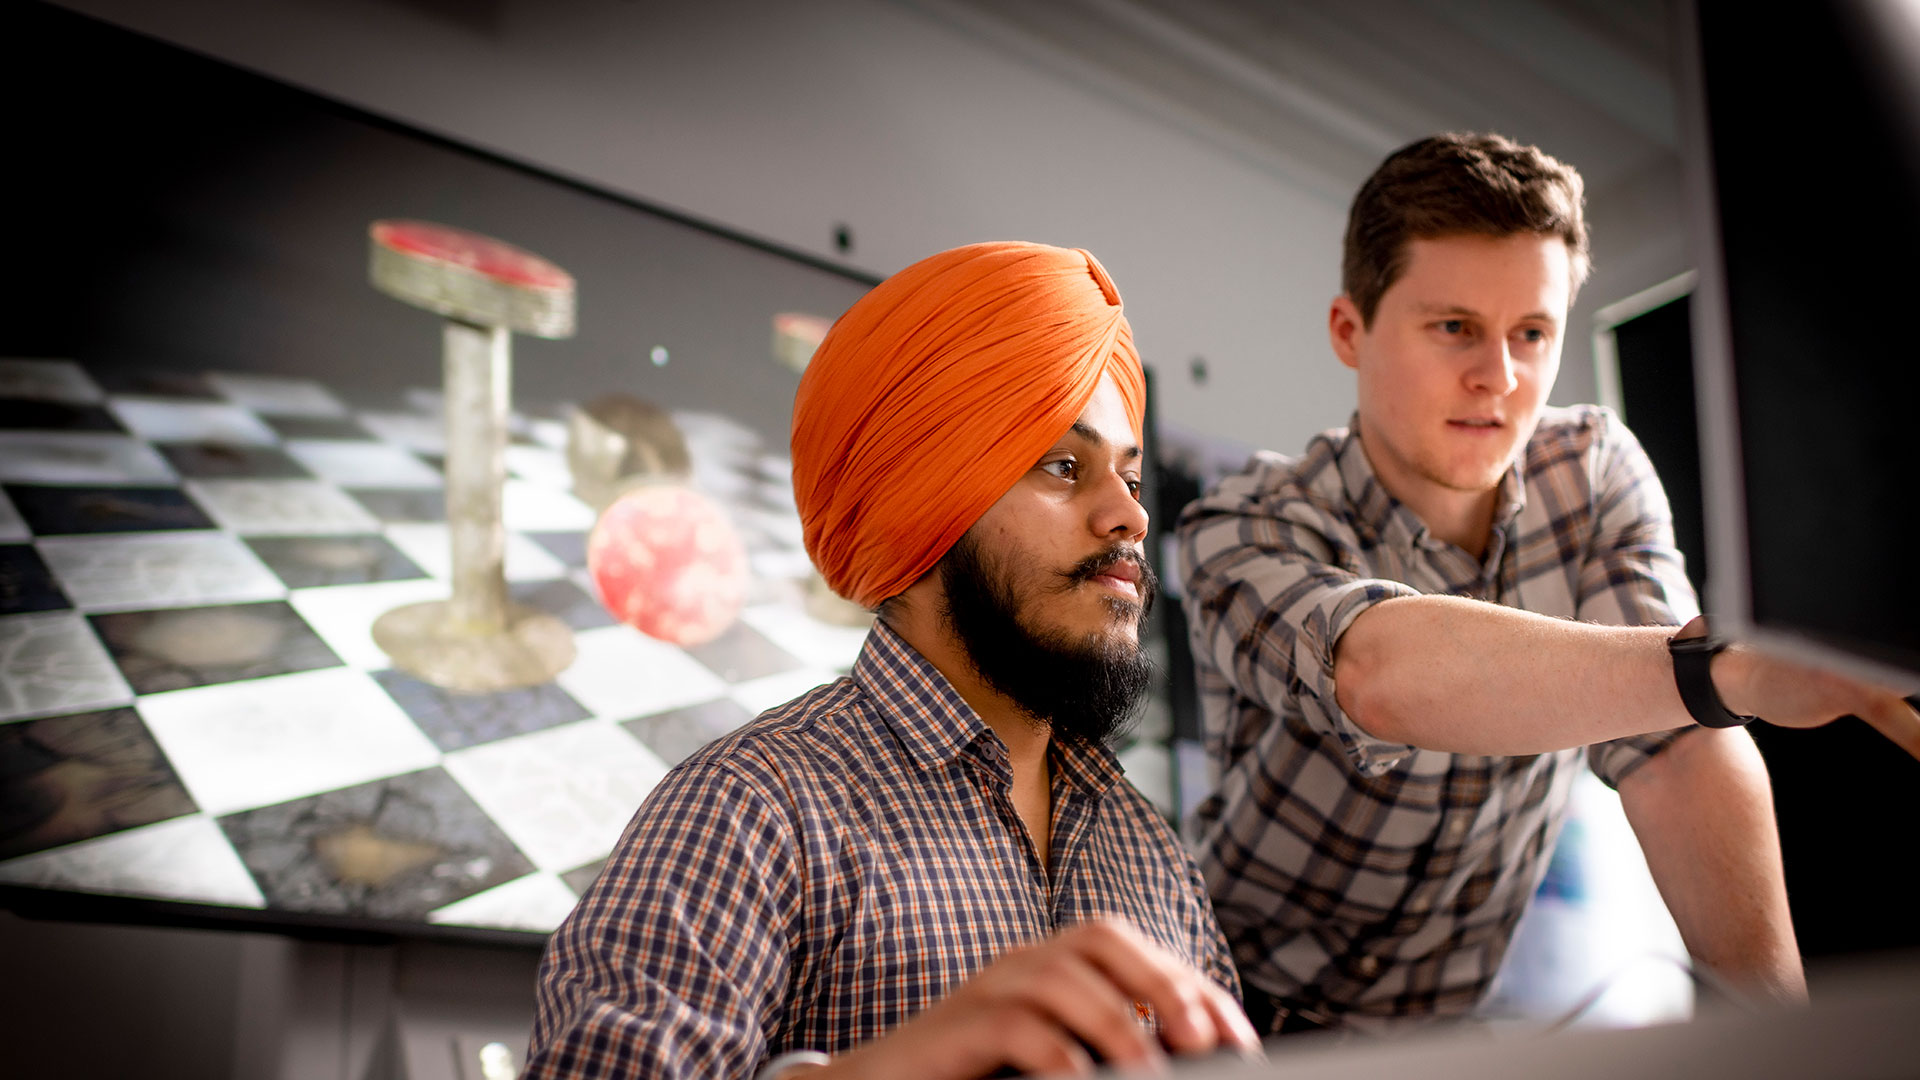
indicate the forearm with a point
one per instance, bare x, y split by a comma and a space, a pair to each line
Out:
1448, 673
1703, 811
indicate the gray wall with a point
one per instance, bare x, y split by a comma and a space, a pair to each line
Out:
914, 128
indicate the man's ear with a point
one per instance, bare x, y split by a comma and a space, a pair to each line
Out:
1345, 328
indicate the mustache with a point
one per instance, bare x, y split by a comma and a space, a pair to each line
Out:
1102, 562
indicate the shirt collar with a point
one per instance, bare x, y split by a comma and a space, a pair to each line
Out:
926, 713
1513, 494
1091, 769
936, 724
1378, 512
1375, 511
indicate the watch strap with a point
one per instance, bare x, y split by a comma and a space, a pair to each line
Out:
1693, 675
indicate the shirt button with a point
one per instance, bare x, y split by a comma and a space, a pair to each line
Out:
1456, 827
1367, 965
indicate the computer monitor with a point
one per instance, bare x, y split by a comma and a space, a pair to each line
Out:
1803, 158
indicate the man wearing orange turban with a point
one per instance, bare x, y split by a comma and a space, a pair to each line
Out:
933, 868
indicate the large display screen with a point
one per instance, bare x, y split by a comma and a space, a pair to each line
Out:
222, 457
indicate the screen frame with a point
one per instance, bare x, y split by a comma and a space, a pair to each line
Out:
1723, 481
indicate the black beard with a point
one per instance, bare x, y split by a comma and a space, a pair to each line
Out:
1084, 690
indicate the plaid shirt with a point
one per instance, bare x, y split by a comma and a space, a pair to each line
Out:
827, 872
1366, 879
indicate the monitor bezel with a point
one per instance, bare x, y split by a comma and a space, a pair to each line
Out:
1729, 596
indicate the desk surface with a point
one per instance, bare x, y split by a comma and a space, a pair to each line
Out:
1860, 1027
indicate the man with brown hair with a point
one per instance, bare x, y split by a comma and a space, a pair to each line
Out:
1413, 635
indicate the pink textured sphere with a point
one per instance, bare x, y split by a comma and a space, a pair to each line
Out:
668, 564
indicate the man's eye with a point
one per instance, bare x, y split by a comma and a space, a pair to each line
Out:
1453, 326
1133, 489
1065, 469
1533, 335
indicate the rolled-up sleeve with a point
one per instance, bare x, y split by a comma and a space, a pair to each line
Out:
1634, 574
1270, 587
676, 961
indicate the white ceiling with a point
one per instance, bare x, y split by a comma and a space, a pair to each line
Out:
1321, 90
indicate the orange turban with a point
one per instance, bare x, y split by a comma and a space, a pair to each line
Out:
939, 389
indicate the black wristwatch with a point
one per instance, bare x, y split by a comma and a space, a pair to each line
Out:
1693, 673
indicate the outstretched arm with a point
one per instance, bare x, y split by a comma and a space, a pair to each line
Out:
1447, 673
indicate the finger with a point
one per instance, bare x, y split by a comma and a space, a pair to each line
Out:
1151, 974
960, 1038
1032, 1044
1230, 1019
1897, 720
1080, 998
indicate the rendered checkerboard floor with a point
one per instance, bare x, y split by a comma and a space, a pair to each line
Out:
191, 704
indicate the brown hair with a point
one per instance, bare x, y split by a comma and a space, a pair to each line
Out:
1453, 184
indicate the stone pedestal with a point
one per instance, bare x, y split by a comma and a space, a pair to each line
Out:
475, 640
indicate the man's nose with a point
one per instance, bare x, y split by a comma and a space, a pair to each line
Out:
1493, 369
1116, 513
